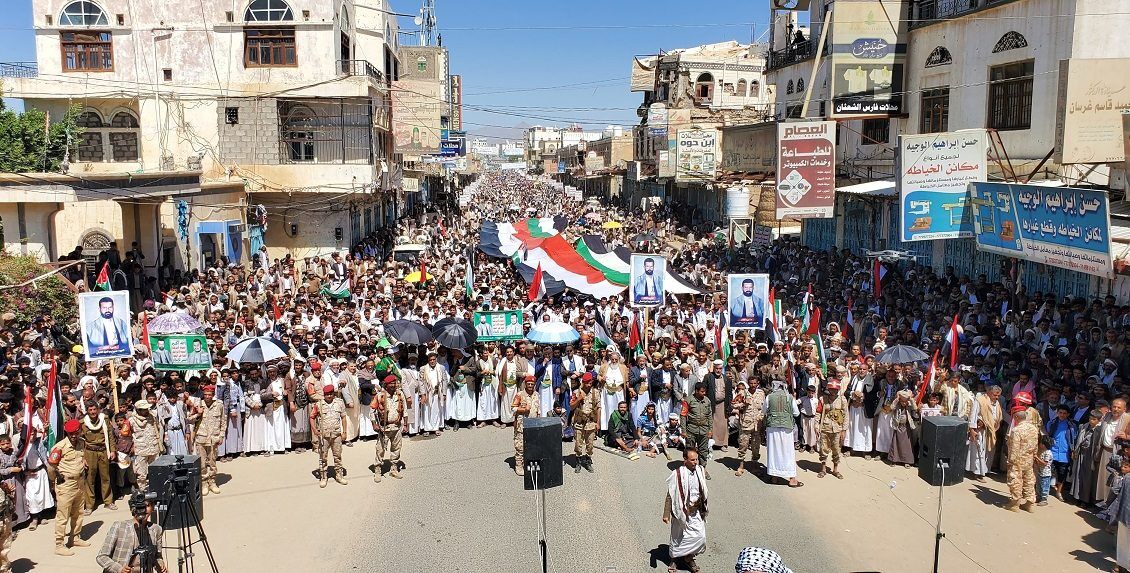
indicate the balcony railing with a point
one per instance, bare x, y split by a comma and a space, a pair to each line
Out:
360, 68
925, 12
19, 69
793, 53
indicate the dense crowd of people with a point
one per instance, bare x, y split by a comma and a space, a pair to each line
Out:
1039, 378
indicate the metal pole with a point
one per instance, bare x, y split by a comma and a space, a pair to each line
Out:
938, 535
816, 62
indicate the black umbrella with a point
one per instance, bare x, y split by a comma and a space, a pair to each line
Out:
258, 350
901, 354
408, 332
455, 333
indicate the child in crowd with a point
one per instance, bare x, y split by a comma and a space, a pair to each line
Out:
670, 435
933, 406
807, 405
1110, 514
1043, 469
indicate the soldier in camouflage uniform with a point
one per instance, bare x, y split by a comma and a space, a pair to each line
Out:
327, 419
585, 404
830, 420
209, 434
750, 408
526, 404
146, 441
1022, 441
388, 407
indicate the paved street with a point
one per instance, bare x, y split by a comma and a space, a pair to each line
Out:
460, 508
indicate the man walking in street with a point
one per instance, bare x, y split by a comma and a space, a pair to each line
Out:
698, 424
1022, 441
388, 409
750, 408
327, 420
685, 510
209, 434
585, 405
67, 466
830, 418
525, 405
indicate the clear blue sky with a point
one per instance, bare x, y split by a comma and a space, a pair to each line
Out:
502, 47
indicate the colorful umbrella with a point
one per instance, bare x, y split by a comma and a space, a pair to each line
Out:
553, 333
611, 225
414, 277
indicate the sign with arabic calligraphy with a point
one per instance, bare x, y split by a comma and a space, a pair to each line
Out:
1058, 226
1092, 96
868, 53
806, 174
749, 148
934, 171
697, 157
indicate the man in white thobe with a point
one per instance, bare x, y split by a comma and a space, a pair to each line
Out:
685, 510
984, 420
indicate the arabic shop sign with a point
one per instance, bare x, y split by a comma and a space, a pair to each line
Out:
806, 174
1092, 96
934, 171
868, 53
697, 158
1062, 227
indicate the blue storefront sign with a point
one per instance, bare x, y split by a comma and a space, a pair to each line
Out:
1058, 226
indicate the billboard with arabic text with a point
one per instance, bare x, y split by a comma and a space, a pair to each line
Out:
868, 54
1058, 226
934, 171
806, 169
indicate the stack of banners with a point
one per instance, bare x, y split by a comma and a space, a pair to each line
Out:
747, 295
934, 172
104, 317
806, 174
498, 325
587, 265
180, 351
1062, 227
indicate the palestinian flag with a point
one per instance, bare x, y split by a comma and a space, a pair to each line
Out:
928, 380
805, 303
600, 330
338, 289
54, 406
878, 271
103, 280
722, 342
953, 338
537, 288
813, 327
818, 343
29, 422
774, 317
635, 335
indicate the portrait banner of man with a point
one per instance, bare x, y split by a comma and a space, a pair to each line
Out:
180, 351
647, 280
498, 325
105, 318
746, 297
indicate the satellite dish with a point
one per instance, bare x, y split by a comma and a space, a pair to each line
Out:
418, 20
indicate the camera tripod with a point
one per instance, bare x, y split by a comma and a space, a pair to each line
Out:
176, 492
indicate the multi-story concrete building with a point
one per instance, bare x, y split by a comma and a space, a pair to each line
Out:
547, 140
278, 107
422, 114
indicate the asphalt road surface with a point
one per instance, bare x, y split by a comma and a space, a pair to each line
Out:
460, 508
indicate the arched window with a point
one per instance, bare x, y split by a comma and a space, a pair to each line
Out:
741, 88
789, 87
939, 57
91, 142
754, 88
1010, 41
800, 85
124, 131
83, 13
704, 87
268, 11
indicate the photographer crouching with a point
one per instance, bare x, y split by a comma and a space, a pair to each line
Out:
131, 545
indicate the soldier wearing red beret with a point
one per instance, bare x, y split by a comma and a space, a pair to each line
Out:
68, 468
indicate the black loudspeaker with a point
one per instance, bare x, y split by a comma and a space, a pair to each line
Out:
167, 475
944, 438
542, 437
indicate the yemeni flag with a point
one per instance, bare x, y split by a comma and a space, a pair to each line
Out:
928, 380
814, 321
953, 338
850, 320
423, 271
337, 290
145, 330
722, 342
635, 338
276, 310
878, 271
537, 286
103, 280
442, 229
54, 406
818, 343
